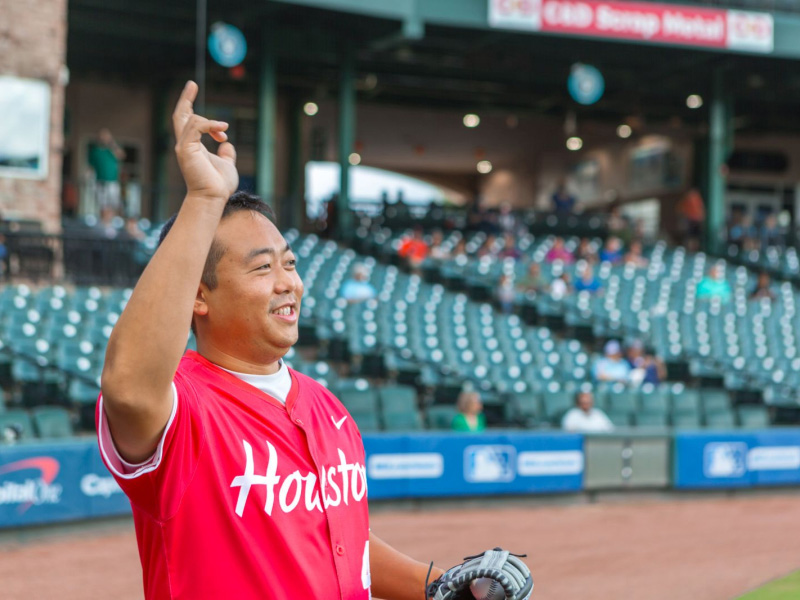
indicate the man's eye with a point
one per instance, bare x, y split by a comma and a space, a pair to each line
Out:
266, 266
292, 262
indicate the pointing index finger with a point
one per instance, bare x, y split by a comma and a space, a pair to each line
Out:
184, 108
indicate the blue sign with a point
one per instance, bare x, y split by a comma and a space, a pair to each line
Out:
227, 45
585, 84
431, 464
56, 482
737, 459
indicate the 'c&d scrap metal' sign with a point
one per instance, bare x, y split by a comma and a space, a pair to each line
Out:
639, 21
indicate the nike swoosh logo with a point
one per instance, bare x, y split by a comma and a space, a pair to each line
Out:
340, 422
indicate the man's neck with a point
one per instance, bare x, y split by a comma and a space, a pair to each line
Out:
238, 364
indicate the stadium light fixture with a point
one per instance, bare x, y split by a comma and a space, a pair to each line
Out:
624, 131
354, 158
310, 108
471, 120
694, 101
484, 167
574, 143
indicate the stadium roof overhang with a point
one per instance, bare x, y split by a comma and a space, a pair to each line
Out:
436, 53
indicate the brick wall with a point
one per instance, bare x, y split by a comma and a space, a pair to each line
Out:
33, 44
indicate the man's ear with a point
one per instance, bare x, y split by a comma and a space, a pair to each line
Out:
200, 305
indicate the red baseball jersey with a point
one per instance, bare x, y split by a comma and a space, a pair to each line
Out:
247, 498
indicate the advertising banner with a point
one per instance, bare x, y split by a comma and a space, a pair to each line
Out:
728, 460
639, 21
56, 482
426, 464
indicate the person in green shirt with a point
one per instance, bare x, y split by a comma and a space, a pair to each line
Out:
104, 158
714, 286
470, 413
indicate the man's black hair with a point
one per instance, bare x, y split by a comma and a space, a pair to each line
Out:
238, 202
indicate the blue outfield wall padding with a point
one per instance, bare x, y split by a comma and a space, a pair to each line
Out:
46, 483
431, 465
737, 459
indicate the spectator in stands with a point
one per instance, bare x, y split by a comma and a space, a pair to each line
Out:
770, 234
460, 251
470, 415
414, 249
762, 289
505, 294
106, 227
691, 216
558, 252
634, 256
584, 417
612, 251
612, 367
358, 289
714, 286
438, 251
618, 224
588, 282
645, 368
104, 158
506, 219
740, 229
585, 251
532, 282
560, 287
562, 201
510, 249
489, 247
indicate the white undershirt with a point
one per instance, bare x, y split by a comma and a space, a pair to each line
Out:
276, 385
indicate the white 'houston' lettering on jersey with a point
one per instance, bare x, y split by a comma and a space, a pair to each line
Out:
345, 480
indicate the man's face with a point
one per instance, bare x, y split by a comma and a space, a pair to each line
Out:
585, 402
253, 311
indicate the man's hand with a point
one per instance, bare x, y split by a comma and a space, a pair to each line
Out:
207, 175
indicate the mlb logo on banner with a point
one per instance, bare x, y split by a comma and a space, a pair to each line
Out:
489, 463
516, 14
725, 459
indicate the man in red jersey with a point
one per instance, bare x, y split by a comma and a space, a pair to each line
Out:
247, 479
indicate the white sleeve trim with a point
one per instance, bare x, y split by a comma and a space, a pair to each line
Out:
118, 465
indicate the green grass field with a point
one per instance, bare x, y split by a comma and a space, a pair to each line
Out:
787, 588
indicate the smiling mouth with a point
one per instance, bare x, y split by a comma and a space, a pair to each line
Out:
285, 313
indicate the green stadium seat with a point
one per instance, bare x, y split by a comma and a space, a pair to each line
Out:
20, 420
715, 400
620, 418
686, 420
651, 419
367, 422
622, 399
440, 416
654, 399
523, 408
409, 421
359, 402
685, 401
396, 399
556, 402
753, 417
720, 419
52, 422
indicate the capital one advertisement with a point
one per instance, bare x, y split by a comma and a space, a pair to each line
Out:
639, 21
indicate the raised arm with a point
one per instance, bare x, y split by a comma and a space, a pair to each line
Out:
150, 336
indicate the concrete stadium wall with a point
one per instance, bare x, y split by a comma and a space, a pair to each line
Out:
33, 43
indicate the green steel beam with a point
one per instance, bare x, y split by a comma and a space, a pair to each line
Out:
160, 153
295, 203
267, 120
719, 140
347, 133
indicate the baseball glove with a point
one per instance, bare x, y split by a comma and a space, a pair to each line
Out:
499, 574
